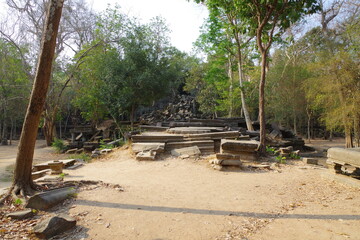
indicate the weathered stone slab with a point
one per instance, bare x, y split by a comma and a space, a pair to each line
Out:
105, 151
189, 130
71, 151
54, 226
225, 156
190, 151
313, 161
46, 200
236, 163
153, 128
350, 156
146, 156
248, 156
157, 137
238, 146
39, 174
143, 147
215, 135
205, 146
19, 215
43, 166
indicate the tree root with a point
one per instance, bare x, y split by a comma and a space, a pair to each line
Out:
20, 191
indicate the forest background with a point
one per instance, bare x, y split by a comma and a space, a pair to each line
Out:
109, 65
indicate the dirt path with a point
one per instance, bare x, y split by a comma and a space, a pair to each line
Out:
186, 199
8, 156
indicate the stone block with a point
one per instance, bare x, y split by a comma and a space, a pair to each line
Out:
310, 161
54, 226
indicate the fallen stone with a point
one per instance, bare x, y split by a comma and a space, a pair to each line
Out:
54, 226
350, 156
105, 151
71, 151
146, 156
237, 146
224, 156
143, 147
21, 214
76, 166
39, 174
226, 162
266, 166
81, 150
190, 151
46, 200
313, 161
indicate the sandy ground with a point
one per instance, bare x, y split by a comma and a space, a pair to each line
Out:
8, 157
186, 199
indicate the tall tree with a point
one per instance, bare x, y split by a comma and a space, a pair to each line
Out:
22, 183
267, 20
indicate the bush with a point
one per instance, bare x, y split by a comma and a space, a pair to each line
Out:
59, 145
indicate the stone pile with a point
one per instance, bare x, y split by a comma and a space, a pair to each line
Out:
232, 152
280, 137
182, 108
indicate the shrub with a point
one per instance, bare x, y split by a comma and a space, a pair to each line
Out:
59, 145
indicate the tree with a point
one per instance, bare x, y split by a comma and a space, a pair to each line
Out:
22, 183
225, 35
133, 66
267, 20
76, 29
13, 89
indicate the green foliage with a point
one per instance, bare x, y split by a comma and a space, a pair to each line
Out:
58, 145
14, 83
18, 202
294, 156
281, 159
83, 156
131, 68
104, 145
62, 175
270, 150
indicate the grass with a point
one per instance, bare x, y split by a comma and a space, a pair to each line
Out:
85, 157
58, 145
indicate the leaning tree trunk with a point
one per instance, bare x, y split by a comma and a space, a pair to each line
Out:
23, 183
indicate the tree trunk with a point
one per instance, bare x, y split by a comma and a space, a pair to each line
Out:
262, 147
348, 137
49, 126
23, 183
231, 87
132, 113
11, 131
357, 131
308, 123
241, 80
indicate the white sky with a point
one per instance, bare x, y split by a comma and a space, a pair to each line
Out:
183, 17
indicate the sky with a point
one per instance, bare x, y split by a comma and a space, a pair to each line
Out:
183, 17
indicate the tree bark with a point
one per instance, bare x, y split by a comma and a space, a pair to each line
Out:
22, 183
241, 80
262, 146
231, 87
